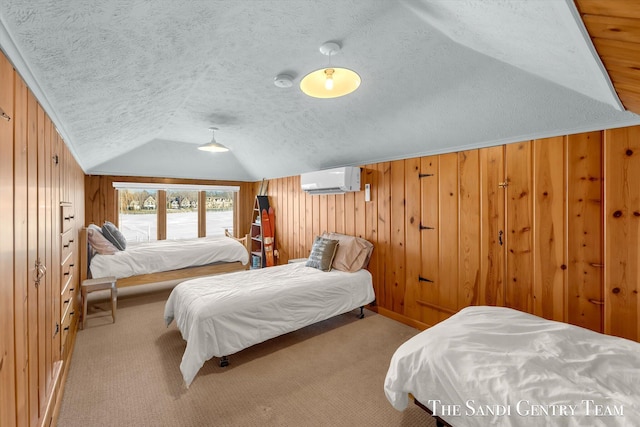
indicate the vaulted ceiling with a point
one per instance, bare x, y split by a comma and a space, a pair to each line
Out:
134, 85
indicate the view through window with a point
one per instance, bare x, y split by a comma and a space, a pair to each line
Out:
219, 212
138, 211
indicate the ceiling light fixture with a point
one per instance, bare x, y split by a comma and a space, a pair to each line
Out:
330, 82
213, 146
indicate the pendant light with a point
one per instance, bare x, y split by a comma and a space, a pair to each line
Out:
213, 146
330, 82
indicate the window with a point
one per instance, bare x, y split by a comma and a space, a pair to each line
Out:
219, 211
138, 210
138, 218
182, 214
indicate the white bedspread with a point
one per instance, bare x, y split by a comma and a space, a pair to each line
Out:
221, 315
544, 373
165, 255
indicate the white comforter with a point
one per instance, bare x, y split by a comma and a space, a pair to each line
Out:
221, 315
497, 366
165, 255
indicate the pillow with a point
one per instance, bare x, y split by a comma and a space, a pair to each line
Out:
322, 253
98, 242
114, 235
353, 253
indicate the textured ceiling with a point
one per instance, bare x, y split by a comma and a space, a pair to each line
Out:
134, 85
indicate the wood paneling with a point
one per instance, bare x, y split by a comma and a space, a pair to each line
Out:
614, 27
396, 279
584, 213
448, 234
469, 226
412, 237
517, 225
430, 242
549, 228
622, 231
492, 225
7, 317
519, 233
21, 269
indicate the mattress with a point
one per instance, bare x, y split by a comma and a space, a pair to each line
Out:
221, 315
498, 366
166, 255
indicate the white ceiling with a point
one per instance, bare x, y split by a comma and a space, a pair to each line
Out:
134, 85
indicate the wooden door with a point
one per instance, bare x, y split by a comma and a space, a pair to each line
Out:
7, 345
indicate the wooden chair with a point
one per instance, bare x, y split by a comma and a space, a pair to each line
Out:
92, 285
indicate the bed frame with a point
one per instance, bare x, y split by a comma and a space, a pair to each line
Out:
171, 275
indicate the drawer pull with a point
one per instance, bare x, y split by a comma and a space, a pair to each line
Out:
596, 302
71, 265
66, 328
71, 289
67, 301
593, 264
66, 273
71, 313
65, 246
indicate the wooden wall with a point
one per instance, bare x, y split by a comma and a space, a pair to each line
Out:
521, 225
101, 199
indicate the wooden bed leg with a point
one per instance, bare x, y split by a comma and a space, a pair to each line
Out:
224, 361
361, 315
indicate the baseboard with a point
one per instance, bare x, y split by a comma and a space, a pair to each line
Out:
400, 318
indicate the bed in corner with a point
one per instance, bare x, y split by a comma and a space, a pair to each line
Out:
166, 260
498, 366
221, 315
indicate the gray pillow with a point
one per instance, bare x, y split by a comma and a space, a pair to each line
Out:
112, 234
322, 253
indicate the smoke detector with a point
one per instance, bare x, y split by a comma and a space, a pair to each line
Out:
283, 81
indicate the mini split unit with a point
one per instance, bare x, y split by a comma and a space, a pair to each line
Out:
331, 181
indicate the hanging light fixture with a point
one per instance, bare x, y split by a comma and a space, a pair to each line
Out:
330, 82
213, 146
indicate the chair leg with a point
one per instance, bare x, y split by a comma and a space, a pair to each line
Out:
84, 308
114, 302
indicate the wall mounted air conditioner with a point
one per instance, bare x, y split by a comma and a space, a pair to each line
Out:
331, 181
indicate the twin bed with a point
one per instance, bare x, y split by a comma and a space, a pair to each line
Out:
498, 366
166, 260
221, 315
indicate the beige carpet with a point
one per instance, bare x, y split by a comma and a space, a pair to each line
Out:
328, 374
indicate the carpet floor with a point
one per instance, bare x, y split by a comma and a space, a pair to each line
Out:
328, 374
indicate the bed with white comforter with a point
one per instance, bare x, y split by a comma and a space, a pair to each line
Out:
498, 366
221, 315
166, 255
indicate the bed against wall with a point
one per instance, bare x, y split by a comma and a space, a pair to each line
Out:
137, 259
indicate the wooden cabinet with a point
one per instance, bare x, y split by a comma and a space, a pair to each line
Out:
38, 255
258, 257
69, 288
